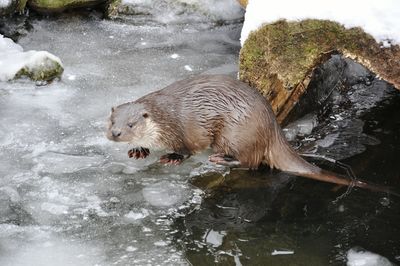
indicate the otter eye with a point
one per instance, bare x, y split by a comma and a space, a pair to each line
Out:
145, 115
130, 125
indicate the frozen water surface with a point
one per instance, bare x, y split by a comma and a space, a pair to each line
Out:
68, 195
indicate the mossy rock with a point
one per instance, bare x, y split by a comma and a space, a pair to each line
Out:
47, 68
278, 59
55, 6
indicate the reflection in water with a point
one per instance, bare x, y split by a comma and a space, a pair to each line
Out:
248, 216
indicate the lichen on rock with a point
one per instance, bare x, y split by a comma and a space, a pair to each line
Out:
279, 58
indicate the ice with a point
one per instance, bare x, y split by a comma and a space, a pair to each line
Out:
300, 127
131, 249
65, 185
57, 163
360, 257
165, 194
328, 140
56, 209
214, 238
184, 11
379, 19
136, 215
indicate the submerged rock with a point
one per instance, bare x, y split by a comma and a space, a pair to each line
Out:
36, 65
279, 58
54, 6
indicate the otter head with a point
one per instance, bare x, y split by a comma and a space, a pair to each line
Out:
130, 122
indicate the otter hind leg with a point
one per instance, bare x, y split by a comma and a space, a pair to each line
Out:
172, 158
223, 159
138, 153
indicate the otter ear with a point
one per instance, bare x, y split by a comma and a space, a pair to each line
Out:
145, 115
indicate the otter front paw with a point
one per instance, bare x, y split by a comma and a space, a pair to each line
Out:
138, 153
172, 158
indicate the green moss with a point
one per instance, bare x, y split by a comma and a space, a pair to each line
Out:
50, 72
60, 5
279, 57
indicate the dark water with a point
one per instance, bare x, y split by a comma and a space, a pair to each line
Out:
250, 214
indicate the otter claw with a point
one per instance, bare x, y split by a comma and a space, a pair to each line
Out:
138, 153
172, 158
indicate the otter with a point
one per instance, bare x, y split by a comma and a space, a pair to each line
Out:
217, 112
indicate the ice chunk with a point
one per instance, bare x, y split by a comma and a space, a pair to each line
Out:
214, 238
282, 252
164, 194
136, 215
360, 257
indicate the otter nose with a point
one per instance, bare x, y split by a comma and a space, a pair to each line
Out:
116, 133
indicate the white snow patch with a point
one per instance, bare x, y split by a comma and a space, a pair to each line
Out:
5, 3
381, 19
365, 258
13, 59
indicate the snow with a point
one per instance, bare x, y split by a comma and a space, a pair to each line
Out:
13, 59
5, 3
381, 19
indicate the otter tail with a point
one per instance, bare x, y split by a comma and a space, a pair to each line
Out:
282, 156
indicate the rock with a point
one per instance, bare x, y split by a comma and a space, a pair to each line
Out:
243, 3
37, 65
279, 58
177, 11
56, 6
9, 7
